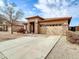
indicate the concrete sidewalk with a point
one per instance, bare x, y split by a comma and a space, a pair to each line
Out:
28, 47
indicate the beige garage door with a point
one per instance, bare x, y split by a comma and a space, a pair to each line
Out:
56, 30
43, 30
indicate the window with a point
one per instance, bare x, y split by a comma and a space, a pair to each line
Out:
50, 25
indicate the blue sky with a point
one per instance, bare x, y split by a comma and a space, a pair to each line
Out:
49, 8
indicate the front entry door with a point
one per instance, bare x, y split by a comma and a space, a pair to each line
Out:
32, 30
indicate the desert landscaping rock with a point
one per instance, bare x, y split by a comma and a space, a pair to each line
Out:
73, 37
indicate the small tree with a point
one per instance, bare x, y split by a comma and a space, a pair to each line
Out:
12, 13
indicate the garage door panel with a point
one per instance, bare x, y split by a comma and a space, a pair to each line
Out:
54, 30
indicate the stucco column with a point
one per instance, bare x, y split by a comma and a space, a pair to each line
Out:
28, 27
65, 28
36, 27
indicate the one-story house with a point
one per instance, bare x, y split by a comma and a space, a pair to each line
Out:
39, 25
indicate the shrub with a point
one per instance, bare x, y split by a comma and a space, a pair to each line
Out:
72, 37
21, 30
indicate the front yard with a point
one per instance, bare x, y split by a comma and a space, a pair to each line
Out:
62, 50
7, 36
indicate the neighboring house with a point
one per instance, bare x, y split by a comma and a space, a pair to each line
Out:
40, 25
5, 25
77, 28
74, 28
17, 25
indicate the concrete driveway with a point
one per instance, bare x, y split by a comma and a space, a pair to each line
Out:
64, 50
30, 47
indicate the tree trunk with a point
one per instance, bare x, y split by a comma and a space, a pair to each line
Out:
11, 28
11, 24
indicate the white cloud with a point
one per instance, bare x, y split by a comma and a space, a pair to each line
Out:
1, 3
28, 13
58, 8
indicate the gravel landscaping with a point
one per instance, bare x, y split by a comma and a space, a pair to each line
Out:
4, 36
